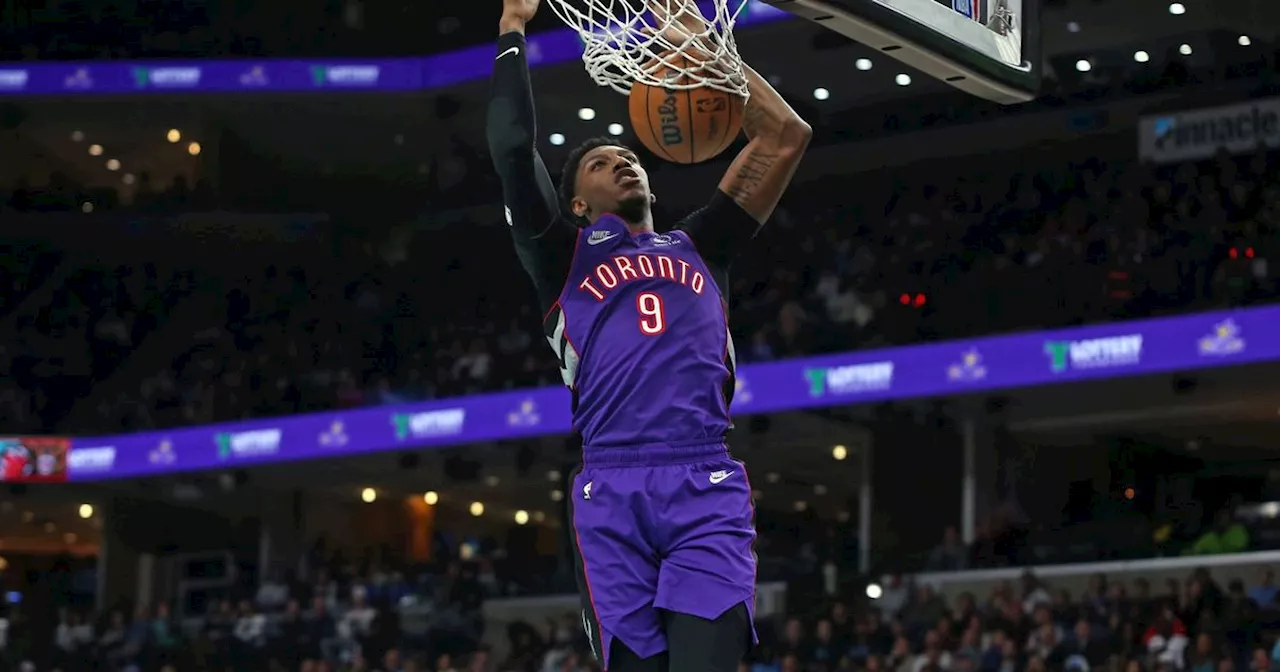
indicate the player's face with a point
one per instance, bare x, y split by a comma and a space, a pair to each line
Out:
611, 179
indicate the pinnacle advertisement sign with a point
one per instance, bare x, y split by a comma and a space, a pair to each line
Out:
1194, 135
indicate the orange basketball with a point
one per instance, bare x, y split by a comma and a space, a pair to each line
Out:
684, 126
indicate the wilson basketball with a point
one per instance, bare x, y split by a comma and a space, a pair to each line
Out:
684, 126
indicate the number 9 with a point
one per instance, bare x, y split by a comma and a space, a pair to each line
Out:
653, 317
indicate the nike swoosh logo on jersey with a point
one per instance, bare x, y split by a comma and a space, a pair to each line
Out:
717, 476
512, 51
598, 237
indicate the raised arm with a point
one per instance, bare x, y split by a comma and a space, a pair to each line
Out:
544, 239
777, 138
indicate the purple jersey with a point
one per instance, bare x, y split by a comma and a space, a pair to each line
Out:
642, 334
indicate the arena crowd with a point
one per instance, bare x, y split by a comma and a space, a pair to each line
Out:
915, 257
352, 624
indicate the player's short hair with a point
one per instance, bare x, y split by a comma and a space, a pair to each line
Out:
569, 177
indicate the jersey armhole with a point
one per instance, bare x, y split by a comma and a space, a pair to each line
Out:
568, 274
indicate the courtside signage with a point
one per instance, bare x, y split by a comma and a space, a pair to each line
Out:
957, 367
1199, 134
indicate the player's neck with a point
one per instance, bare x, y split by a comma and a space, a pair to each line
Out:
642, 224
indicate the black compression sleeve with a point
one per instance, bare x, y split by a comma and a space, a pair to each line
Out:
544, 239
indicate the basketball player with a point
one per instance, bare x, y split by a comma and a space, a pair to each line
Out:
662, 516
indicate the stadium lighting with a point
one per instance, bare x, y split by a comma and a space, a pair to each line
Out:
903, 79
557, 139
801, 505
615, 129
557, 495
863, 64
128, 178
368, 495
839, 452
539, 516
1073, 27
772, 477
1184, 49
492, 481
1083, 65
874, 591
1244, 41
86, 207
95, 150
586, 114
819, 490
193, 149
1141, 56
821, 94
1177, 8
86, 511
77, 136
522, 517
553, 475
113, 164
431, 497
174, 135
477, 509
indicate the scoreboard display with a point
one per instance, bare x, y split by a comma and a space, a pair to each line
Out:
33, 459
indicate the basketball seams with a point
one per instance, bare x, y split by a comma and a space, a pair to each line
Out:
689, 128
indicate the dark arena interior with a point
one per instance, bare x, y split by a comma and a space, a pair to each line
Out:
275, 395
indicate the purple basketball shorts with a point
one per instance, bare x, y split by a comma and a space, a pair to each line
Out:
660, 527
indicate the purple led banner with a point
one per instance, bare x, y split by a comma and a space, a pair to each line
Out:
1198, 341
291, 76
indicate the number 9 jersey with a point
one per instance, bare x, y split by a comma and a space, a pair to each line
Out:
641, 331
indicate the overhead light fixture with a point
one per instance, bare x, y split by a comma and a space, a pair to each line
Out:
477, 509
557, 139
1177, 8
903, 79
1141, 56
368, 495
1244, 41
839, 452
522, 517
193, 149
77, 136
1073, 27
616, 129
1184, 49
95, 150
1083, 65
863, 64
586, 114
174, 135
113, 164
86, 510
821, 94
431, 497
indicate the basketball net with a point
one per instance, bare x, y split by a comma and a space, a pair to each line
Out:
628, 41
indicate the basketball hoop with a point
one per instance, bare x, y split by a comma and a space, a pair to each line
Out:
625, 42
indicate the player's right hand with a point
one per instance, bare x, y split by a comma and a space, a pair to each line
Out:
520, 10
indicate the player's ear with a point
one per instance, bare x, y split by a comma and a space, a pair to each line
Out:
580, 207
653, 198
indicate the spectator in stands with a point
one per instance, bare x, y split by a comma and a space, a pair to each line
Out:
1226, 536
950, 555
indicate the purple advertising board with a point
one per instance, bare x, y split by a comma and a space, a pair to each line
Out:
269, 75
1132, 348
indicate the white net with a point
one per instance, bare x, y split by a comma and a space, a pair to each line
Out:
665, 43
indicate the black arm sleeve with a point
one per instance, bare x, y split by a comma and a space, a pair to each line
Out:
544, 238
720, 229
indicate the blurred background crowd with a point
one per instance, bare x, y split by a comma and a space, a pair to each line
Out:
964, 249
176, 297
